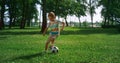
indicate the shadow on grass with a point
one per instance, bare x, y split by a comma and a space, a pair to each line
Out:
29, 56
25, 57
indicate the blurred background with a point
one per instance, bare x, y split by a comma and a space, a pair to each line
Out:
75, 13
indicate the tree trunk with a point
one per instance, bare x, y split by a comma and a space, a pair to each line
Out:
14, 14
92, 20
14, 20
112, 19
23, 21
91, 13
0, 24
66, 21
10, 15
108, 11
2, 14
44, 22
28, 22
22, 25
27, 13
79, 22
105, 21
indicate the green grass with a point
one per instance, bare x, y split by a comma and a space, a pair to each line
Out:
77, 45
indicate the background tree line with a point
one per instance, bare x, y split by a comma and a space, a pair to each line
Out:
22, 12
19, 12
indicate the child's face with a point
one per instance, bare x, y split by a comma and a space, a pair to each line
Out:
51, 18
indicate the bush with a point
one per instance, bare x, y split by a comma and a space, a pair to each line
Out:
118, 27
108, 26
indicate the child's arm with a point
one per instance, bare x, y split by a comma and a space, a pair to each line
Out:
63, 25
46, 29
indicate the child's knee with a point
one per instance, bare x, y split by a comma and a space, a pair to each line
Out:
52, 39
47, 42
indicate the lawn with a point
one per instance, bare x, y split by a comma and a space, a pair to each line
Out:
77, 45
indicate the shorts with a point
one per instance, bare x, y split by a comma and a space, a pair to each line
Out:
54, 34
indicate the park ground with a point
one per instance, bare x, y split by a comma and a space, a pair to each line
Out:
77, 45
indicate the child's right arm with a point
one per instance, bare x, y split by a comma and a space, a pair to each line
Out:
46, 29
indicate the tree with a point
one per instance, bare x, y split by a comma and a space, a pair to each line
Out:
24, 8
61, 9
91, 8
12, 10
32, 13
2, 11
44, 22
110, 11
79, 9
29, 12
85, 24
65, 9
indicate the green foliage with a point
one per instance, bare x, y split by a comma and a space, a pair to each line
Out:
92, 4
110, 11
20, 10
63, 8
66, 7
79, 9
85, 24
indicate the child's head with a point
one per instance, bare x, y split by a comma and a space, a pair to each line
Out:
51, 16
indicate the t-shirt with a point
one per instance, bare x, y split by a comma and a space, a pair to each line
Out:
54, 25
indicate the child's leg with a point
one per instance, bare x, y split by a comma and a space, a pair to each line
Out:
53, 39
47, 43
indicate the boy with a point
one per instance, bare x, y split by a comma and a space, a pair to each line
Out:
55, 30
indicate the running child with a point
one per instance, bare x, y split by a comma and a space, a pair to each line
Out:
54, 25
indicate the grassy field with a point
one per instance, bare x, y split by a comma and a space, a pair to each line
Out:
77, 45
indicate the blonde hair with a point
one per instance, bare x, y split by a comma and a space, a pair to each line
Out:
51, 14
